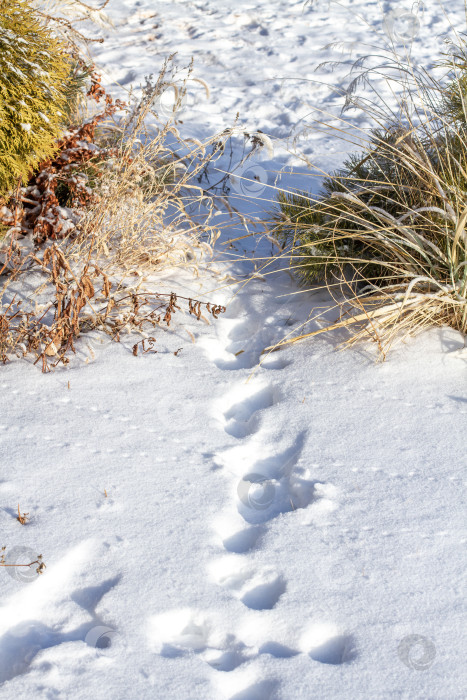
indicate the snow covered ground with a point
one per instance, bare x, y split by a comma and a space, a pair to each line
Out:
216, 529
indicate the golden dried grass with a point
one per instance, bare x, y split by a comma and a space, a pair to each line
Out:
387, 233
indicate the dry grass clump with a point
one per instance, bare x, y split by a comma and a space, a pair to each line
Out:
65, 18
117, 200
143, 206
387, 233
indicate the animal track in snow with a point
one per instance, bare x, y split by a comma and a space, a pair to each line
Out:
244, 358
279, 651
264, 690
243, 540
179, 632
271, 485
183, 632
235, 537
244, 344
257, 589
269, 481
241, 418
264, 596
328, 645
229, 660
31, 622
272, 362
174, 633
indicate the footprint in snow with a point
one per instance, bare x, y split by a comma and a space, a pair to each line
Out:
244, 540
272, 484
243, 350
23, 635
240, 409
271, 361
327, 644
177, 632
228, 659
183, 632
258, 589
264, 690
235, 537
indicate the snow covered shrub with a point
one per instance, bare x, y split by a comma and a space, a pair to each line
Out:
388, 228
34, 88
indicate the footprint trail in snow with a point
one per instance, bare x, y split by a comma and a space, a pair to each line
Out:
266, 480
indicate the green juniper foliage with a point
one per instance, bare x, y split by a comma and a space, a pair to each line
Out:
35, 71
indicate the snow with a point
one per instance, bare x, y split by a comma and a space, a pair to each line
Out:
219, 528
